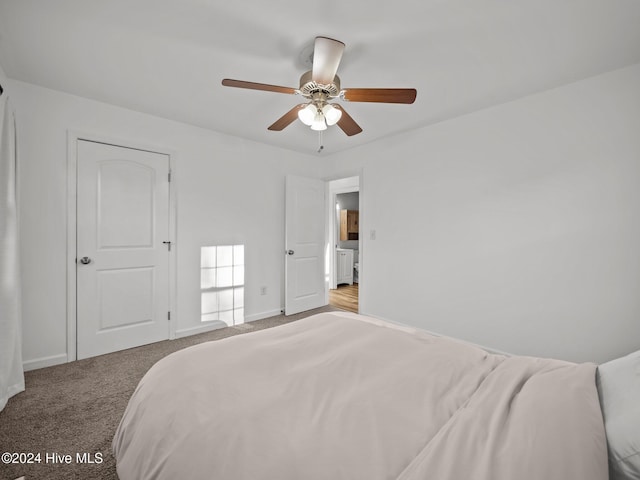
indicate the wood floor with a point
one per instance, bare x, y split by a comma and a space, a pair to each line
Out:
345, 297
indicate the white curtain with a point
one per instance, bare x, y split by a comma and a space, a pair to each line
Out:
11, 373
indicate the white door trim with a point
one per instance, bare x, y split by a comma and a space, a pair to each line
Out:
73, 136
336, 187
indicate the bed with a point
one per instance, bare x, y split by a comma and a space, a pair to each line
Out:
344, 396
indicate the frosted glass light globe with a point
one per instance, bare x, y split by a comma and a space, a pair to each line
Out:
331, 114
307, 114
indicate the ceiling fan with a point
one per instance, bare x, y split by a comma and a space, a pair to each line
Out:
319, 86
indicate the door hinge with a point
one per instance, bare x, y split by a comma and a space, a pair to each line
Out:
168, 315
168, 244
169, 176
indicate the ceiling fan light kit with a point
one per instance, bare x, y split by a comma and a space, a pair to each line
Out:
319, 86
318, 114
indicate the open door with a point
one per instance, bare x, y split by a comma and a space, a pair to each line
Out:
304, 244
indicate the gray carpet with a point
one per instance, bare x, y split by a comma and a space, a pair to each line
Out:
75, 408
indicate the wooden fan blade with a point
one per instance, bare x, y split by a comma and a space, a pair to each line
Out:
381, 95
327, 54
228, 82
346, 123
287, 118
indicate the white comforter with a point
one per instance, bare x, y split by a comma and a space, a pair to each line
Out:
341, 396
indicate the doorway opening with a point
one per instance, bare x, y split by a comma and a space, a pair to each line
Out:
344, 221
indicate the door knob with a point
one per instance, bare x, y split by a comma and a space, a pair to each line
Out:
85, 260
290, 252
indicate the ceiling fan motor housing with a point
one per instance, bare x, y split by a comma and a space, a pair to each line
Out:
308, 87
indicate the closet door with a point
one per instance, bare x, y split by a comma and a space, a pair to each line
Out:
122, 264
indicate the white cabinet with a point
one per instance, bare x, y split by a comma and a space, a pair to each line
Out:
344, 258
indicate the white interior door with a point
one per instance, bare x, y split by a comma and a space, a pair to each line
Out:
122, 263
305, 244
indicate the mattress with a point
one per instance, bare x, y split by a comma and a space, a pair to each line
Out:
343, 396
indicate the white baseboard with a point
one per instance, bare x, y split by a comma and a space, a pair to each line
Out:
44, 362
260, 316
186, 332
62, 358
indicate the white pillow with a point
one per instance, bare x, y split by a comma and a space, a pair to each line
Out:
619, 389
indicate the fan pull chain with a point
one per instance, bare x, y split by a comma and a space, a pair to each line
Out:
320, 143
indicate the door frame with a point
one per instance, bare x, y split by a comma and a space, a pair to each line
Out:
73, 136
335, 187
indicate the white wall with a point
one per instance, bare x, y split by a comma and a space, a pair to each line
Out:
229, 191
516, 227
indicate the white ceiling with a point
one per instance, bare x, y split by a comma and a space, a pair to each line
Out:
168, 57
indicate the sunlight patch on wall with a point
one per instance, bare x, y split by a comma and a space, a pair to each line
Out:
222, 284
